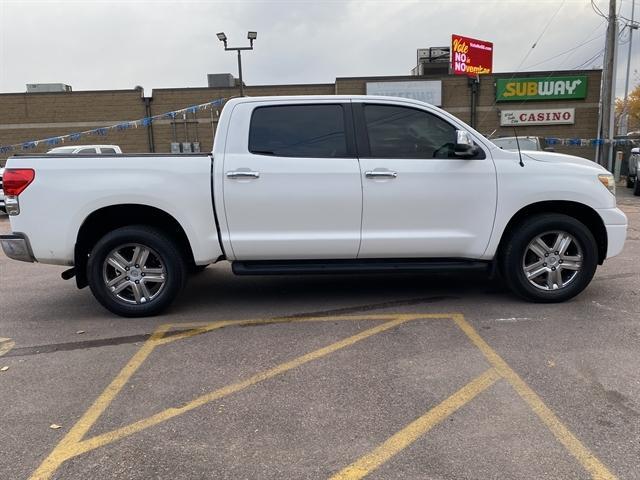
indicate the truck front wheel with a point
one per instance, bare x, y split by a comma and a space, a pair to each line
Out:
549, 258
136, 271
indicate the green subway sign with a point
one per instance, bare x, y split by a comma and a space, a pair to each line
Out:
541, 88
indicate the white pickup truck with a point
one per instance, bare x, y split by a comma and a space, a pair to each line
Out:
316, 184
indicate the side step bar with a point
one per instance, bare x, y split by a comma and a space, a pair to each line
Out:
315, 267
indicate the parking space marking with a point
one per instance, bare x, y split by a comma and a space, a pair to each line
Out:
6, 344
73, 443
417, 428
589, 462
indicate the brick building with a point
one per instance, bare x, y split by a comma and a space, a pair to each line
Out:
34, 116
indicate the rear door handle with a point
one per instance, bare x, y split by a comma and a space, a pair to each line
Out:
243, 174
380, 174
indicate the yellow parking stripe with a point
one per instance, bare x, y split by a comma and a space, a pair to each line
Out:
590, 463
64, 449
6, 344
72, 444
409, 434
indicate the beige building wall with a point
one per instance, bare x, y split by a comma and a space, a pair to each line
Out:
34, 116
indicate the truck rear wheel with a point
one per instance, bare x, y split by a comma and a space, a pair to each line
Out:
549, 258
136, 271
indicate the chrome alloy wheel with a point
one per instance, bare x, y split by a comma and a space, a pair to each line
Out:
134, 273
552, 260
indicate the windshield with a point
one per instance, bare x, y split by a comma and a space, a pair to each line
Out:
510, 143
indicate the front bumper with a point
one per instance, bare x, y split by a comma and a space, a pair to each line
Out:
16, 246
615, 222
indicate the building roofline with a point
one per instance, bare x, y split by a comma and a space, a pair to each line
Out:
274, 85
74, 92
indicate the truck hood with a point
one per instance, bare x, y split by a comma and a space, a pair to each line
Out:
552, 157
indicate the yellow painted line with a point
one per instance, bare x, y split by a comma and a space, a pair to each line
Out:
409, 434
63, 451
197, 328
109, 437
72, 444
6, 344
590, 463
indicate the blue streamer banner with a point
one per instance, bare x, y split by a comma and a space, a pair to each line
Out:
102, 131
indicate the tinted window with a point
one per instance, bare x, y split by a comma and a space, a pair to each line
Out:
107, 150
298, 131
400, 132
87, 150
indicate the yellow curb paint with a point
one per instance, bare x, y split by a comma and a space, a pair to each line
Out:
6, 344
409, 434
589, 462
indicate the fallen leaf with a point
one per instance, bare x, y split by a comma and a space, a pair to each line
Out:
551, 363
4, 369
54, 426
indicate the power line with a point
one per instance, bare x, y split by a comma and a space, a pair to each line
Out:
590, 60
544, 30
597, 10
594, 57
570, 50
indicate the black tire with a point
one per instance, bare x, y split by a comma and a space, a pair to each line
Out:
636, 188
515, 247
630, 182
162, 250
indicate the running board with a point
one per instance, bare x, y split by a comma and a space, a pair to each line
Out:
315, 267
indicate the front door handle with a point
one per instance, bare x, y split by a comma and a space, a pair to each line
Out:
243, 174
380, 174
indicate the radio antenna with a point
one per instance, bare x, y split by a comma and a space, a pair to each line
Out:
518, 145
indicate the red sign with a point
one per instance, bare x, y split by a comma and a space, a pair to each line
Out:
470, 56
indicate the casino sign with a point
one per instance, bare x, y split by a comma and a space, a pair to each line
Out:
548, 116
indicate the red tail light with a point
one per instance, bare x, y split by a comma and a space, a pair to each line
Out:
15, 180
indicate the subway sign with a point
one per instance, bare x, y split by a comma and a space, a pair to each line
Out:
541, 88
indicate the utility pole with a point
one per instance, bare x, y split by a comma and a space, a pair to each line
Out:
623, 127
607, 110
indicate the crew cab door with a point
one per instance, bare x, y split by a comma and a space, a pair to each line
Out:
292, 186
419, 199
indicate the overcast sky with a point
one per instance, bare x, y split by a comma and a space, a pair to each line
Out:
93, 44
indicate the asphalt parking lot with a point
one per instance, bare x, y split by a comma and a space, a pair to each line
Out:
404, 376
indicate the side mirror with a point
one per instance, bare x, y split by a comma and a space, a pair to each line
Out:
465, 148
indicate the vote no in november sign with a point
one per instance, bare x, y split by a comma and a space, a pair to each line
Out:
542, 88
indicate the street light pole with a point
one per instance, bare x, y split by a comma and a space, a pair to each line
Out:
251, 36
240, 73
